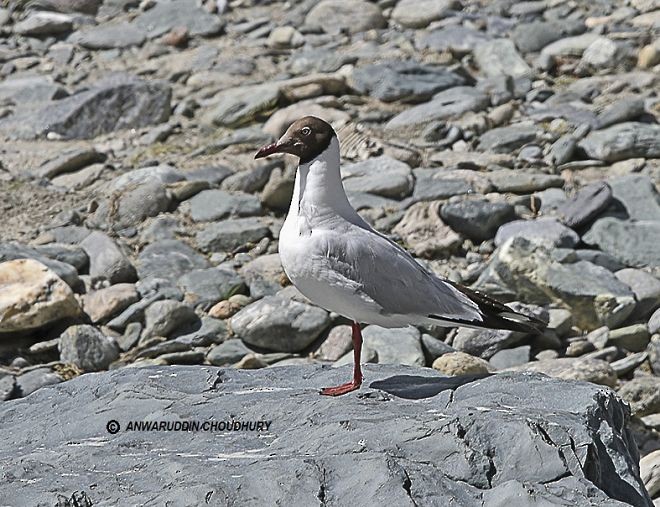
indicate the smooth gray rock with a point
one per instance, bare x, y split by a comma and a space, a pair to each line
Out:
645, 287
67, 272
419, 13
654, 322
643, 394
352, 16
622, 141
634, 243
506, 358
545, 228
477, 219
280, 324
227, 353
507, 139
109, 36
638, 195
164, 16
382, 175
106, 260
534, 36
235, 107
93, 112
169, 258
211, 205
394, 80
43, 24
69, 161
395, 346
557, 441
625, 109
27, 89
231, 233
523, 182
585, 205
164, 317
457, 39
250, 180
499, 57
7, 387
263, 275
87, 347
164, 174
30, 381
205, 287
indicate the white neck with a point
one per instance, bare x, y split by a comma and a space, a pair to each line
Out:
318, 193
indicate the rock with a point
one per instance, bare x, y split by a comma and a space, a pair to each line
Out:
654, 322
460, 363
638, 195
263, 275
649, 471
87, 348
227, 353
424, 231
643, 395
445, 105
165, 16
169, 259
634, 338
499, 57
284, 37
281, 119
620, 111
430, 185
211, 205
205, 287
230, 234
570, 46
90, 113
102, 304
165, 317
338, 343
164, 174
457, 39
499, 440
395, 346
238, 106
106, 260
30, 381
544, 228
80, 179
476, 218
434, 347
534, 36
649, 55
229, 307
622, 141
27, 89
589, 202
43, 24
601, 53
525, 269
280, 324
67, 254
69, 161
32, 296
401, 80
560, 321
336, 16
507, 358
380, 176
523, 182
574, 368
634, 243
418, 14
278, 191
506, 139
109, 36
67, 272
69, 6
645, 287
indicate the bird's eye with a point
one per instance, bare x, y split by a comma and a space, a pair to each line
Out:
306, 131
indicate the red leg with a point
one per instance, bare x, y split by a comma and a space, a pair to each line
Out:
357, 371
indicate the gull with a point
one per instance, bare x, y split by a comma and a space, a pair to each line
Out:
340, 263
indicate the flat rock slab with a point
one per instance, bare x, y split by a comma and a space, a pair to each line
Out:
409, 436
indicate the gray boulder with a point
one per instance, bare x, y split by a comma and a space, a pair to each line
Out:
87, 348
477, 219
383, 176
164, 16
634, 243
622, 141
354, 16
544, 228
533, 439
106, 259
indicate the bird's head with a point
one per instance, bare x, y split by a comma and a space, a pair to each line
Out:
306, 138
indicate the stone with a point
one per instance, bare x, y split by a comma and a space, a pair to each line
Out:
420, 13
622, 141
205, 287
263, 275
251, 180
625, 109
67, 254
523, 182
574, 368
643, 395
169, 259
106, 260
164, 16
633, 243
228, 353
163, 318
30, 381
601, 53
283, 37
477, 219
535, 35
32, 296
507, 358
87, 348
560, 321
280, 324
649, 55
589, 202
109, 36
526, 270
424, 232
211, 205
67, 272
544, 228
69, 161
499, 57
336, 16
231, 233
225, 309
649, 471
637, 194
645, 287
395, 346
382, 175
92, 112
506, 139
338, 343
164, 174
434, 347
403, 81
28, 89
445, 105
654, 322
498, 452
278, 190
103, 304
43, 24
460, 363
634, 338
457, 39
570, 46
80, 179
238, 106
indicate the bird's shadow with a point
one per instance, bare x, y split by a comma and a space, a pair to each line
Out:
416, 387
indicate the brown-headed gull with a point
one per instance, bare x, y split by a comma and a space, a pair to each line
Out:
342, 264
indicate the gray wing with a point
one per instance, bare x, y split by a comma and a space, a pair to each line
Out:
385, 273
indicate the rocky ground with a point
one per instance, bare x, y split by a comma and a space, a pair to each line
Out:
511, 146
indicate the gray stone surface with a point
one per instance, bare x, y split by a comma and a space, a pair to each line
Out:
634, 243
646, 288
638, 195
106, 259
395, 346
164, 16
423, 441
507, 139
544, 228
353, 16
205, 287
115, 35
499, 57
231, 233
169, 259
164, 317
459, 39
419, 13
383, 176
211, 205
622, 141
585, 205
475, 218
30, 381
227, 353
87, 348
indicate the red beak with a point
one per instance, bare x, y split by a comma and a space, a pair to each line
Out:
269, 149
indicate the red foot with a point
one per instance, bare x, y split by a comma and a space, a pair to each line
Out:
342, 389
